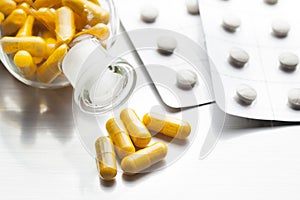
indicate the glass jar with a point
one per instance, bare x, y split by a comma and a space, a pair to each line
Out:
61, 80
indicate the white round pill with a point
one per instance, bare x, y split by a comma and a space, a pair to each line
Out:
271, 2
149, 14
280, 28
166, 44
294, 98
231, 23
192, 6
186, 79
288, 61
238, 57
246, 94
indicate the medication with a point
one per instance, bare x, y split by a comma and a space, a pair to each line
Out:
294, 98
186, 79
144, 158
149, 14
64, 25
36, 46
13, 22
280, 28
120, 137
101, 31
26, 7
46, 16
231, 23
23, 60
288, 61
7, 6
51, 46
138, 133
88, 10
1, 17
271, 2
44, 3
238, 57
106, 158
192, 6
246, 94
167, 125
50, 69
166, 44
26, 29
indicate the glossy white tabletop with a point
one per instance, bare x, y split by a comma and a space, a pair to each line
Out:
41, 156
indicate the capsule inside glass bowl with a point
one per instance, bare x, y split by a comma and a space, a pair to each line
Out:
41, 27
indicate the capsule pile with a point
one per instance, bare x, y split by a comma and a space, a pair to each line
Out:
36, 33
128, 133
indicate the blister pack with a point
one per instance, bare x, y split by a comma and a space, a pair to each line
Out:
254, 46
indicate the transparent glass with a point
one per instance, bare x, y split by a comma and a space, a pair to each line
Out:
61, 80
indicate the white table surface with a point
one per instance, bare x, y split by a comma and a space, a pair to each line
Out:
41, 157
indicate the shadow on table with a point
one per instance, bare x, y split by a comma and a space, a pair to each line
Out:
238, 126
33, 110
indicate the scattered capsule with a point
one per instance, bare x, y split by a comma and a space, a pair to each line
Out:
120, 137
23, 60
26, 29
167, 125
64, 25
101, 31
144, 158
36, 46
49, 70
14, 21
106, 158
138, 133
7, 6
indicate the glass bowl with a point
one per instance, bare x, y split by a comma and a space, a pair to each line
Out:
61, 80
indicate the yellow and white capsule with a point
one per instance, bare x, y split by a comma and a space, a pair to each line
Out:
26, 29
7, 6
167, 125
144, 158
101, 31
49, 70
14, 21
120, 137
64, 25
92, 12
106, 158
2, 17
36, 46
138, 133
23, 60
